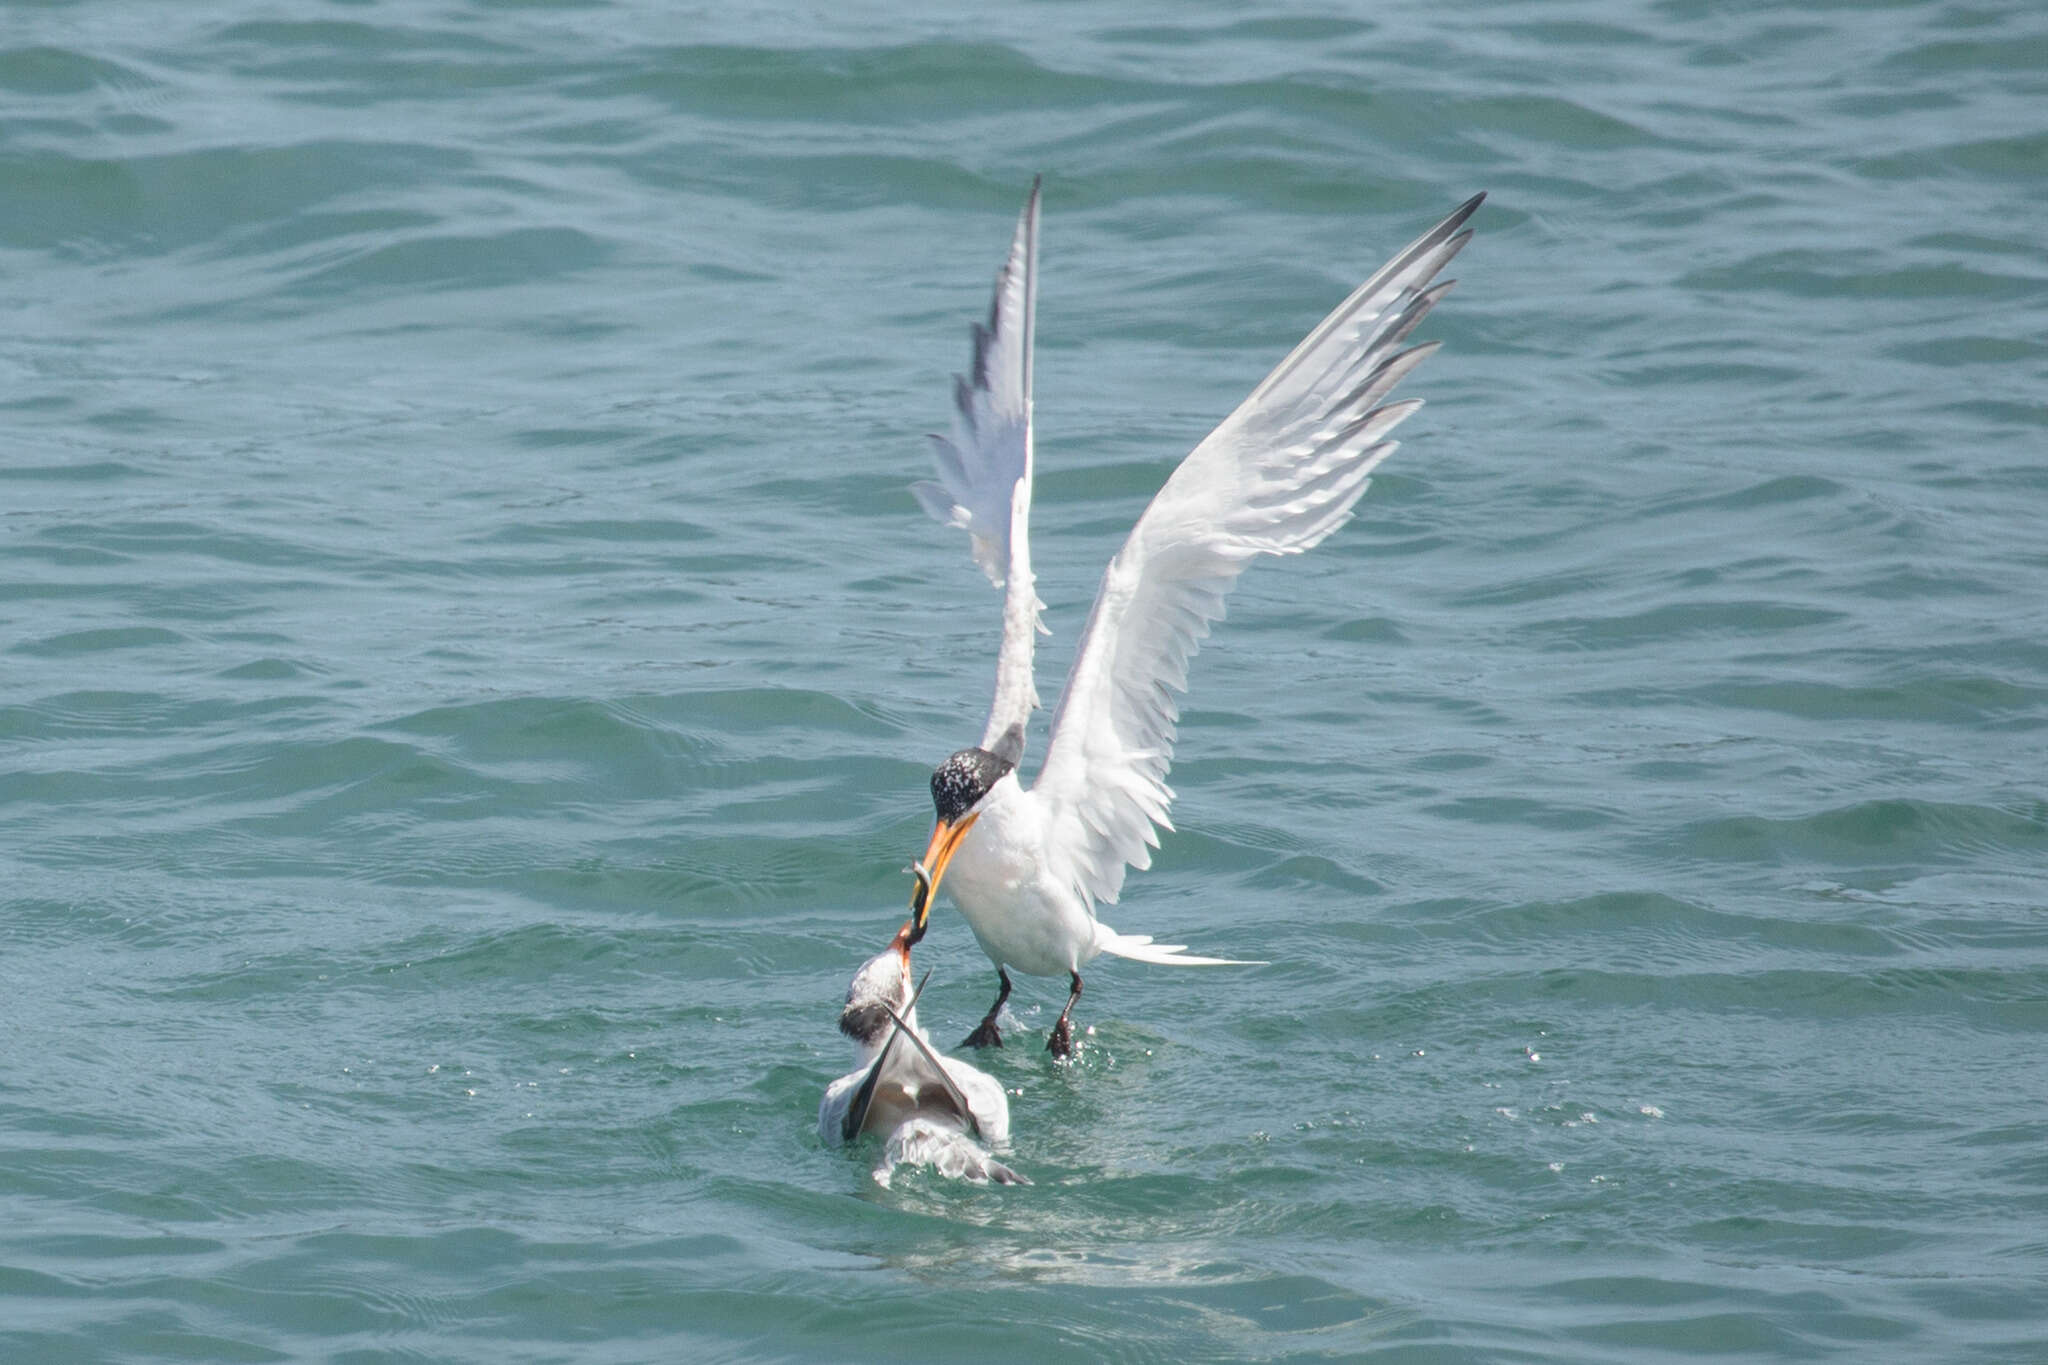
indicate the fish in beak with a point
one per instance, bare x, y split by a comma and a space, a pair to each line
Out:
938, 851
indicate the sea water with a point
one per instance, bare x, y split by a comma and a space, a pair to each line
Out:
470, 664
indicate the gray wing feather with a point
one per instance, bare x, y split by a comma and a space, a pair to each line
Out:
1278, 475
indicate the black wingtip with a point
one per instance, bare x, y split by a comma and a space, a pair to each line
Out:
1455, 219
864, 1098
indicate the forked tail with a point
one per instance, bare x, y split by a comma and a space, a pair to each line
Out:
1141, 948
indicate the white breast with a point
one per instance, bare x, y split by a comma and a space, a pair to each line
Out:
1000, 881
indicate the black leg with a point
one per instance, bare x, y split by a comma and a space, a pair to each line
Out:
1061, 1044
986, 1034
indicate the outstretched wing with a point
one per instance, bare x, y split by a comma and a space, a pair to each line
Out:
984, 483
1280, 473
954, 1100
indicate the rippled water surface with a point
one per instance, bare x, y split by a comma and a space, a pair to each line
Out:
471, 665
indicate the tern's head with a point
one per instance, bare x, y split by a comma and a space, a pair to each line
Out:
960, 786
963, 781
883, 979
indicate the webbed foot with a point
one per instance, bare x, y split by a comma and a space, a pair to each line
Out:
985, 1034
1061, 1044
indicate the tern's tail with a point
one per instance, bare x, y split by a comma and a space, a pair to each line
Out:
1141, 948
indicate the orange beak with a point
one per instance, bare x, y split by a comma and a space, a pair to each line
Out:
944, 843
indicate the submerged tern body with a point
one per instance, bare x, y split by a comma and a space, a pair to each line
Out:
1027, 866
928, 1109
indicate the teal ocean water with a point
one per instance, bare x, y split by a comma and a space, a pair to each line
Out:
470, 664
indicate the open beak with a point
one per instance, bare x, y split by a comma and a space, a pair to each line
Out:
944, 843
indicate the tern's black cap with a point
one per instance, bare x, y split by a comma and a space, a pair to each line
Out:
964, 779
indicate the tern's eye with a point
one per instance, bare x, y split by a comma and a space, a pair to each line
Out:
863, 1022
952, 788
963, 779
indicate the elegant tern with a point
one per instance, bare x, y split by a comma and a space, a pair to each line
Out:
929, 1109
1028, 866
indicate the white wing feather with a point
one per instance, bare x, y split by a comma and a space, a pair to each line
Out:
984, 483
1280, 474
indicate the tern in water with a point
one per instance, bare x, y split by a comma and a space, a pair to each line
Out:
932, 1108
1028, 866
